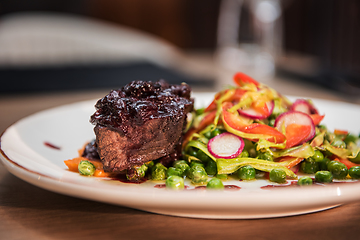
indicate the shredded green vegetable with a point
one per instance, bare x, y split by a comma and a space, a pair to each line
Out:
228, 166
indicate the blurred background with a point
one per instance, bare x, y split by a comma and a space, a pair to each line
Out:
53, 45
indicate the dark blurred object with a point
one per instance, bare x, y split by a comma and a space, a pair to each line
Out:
185, 23
85, 77
327, 32
74, 6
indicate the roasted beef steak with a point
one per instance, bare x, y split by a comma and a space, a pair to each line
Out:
141, 122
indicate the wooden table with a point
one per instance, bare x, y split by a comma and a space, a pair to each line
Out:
29, 212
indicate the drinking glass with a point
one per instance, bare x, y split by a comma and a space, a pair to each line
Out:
249, 37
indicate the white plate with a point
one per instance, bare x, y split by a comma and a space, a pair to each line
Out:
25, 155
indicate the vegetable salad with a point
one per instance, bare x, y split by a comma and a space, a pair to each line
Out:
250, 131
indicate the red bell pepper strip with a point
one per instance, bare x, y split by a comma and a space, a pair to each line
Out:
261, 107
206, 121
211, 107
253, 131
295, 134
317, 118
241, 79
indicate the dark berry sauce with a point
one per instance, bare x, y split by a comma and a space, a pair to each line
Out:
232, 187
50, 145
90, 151
140, 101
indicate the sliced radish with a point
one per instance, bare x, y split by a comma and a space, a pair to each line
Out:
302, 105
226, 145
299, 127
253, 114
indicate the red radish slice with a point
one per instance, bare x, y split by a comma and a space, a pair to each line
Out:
291, 119
226, 145
253, 114
301, 105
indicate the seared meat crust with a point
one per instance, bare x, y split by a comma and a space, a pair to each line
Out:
141, 122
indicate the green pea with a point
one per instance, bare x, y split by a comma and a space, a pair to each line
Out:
222, 176
304, 181
150, 164
252, 152
182, 166
309, 167
354, 172
202, 156
179, 162
86, 168
246, 173
351, 138
211, 168
199, 111
175, 182
265, 156
215, 183
193, 163
244, 154
338, 169
357, 158
330, 136
192, 152
171, 171
136, 173
322, 127
271, 122
277, 175
338, 143
323, 177
207, 134
158, 172
215, 132
198, 174
318, 156
323, 164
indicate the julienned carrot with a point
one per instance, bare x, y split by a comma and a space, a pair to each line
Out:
72, 165
293, 161
102, 173
340, 132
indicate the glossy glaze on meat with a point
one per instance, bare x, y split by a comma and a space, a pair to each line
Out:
141, 122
